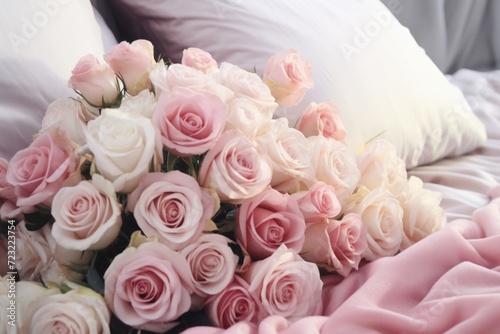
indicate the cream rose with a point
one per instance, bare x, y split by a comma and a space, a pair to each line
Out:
335, 165
69, 115
144, 104
76, 311
235, 169
288, 151
96, 82
87, 216
247, 85
235, 304
123, 146
335, 245
212, 263
383, 216
28, 295
172, 207
422, 213
286, 285
246, 116
380, 166
289, 76
132, 62
322, 119
148, 287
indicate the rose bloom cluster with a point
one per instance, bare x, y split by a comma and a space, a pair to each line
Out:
233, 212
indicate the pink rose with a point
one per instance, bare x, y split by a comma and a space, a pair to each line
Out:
334, 164
87, 216
189, 122
322, 119
289, 76
172, 207
286, 285
33, 251
235, 169
233, 305
335, 245
96, 82
288, 151
382, 214
212, 263
199, 59
6, 189
132, 62
148, 287
267, 221
318, 202
39, 171
247, 85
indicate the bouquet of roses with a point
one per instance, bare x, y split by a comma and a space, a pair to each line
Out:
167, 193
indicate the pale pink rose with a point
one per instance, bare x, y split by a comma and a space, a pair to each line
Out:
288, 151
212, 263
336, 245
123, 146
286, 285
76, 311
380, 166
247, 85
68, 115
40, 170
199, 59
172, 207
28, 295
189, 122
143, 104
233, 305
422, 213
383, 216
267, 221
246, 116
6, 189
235, 169
318, 202
96, 82
289, 76
322, 119
33, 251
132, 62
334, 164
87, 216
148, 287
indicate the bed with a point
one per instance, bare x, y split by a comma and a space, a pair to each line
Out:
439, 107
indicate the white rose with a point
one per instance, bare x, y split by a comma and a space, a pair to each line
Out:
380, 166
76, 311
288, 150
143, 104
246, 116
335, 165
422, 213
87, 216
123, 146
248, 85
383, 216
68, 115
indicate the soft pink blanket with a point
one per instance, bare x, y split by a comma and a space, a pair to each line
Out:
448, 282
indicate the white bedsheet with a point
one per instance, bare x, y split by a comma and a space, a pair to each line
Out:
464, 181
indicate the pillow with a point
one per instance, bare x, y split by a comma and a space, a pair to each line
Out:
42, 40
363, 60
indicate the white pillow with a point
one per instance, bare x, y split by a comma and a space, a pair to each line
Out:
41, 40
363, 60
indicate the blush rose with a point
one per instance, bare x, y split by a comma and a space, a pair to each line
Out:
322, 119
